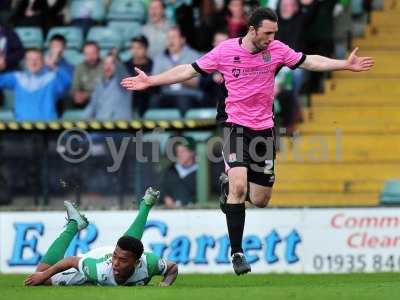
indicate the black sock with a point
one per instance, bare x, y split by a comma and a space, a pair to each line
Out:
235, 217
248, 193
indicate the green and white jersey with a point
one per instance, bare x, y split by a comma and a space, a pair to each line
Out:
97, 268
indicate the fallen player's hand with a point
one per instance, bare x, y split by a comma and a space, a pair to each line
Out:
35, 279
162, 284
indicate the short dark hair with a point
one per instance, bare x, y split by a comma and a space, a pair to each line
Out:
131, 244
261, 14
58, 37
142, 40
91, 43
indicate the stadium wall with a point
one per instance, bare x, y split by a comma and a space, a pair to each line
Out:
275, 240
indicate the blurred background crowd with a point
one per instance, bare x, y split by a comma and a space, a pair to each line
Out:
74, 53
64, 59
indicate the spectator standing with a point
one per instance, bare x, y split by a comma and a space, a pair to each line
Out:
181, 95
109, 101
211, 84
38, 13
141, 60
319, 39
236, 20
37, 88
56, 53
11, 49
86, 74
156, 28
178, 185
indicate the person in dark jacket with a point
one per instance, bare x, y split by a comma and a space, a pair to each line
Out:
38, 13
140, 59
11, 49
178, 185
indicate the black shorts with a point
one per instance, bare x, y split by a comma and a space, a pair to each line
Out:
253, 149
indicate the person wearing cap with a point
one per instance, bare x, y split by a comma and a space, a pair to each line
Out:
178, 183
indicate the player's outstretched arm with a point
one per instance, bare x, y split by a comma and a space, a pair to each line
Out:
39, 278
142, 81
170, 275
352, 63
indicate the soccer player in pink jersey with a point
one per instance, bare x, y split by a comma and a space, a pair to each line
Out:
248, 65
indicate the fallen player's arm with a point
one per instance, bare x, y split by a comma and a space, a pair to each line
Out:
352, 63
170, 275
142, 81
38, 278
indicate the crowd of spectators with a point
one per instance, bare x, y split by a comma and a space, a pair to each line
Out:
47, 81
172, 32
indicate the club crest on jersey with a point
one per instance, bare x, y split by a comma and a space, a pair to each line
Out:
266, 56
236, 72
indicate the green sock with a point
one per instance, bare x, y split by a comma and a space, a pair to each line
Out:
137, 227
57, 250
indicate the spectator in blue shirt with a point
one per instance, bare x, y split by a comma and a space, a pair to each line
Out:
37, 88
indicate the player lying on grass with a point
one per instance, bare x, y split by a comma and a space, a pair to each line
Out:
126, 264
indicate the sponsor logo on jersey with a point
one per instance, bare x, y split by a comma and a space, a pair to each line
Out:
236, 72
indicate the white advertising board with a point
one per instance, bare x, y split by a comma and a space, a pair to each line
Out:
275, 240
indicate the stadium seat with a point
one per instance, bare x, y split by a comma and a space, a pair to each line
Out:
31, 37
128, 30
106, 37
87, 9
73, 115
391, 192
6, 115
198, 136
72, 34
201, 113
162, 114
8, 100
127, 10
125, 55
74, 57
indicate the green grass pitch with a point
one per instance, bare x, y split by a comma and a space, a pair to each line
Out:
226, 287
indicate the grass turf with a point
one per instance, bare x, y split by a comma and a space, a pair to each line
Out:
227, 287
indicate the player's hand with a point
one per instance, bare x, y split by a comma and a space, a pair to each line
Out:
35, 279
163, 284
359, 64
218, 78
137, 83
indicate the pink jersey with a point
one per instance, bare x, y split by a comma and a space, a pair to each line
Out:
249, 79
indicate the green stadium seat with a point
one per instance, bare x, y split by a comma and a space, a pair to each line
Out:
201, 113
162, 114
82, 9
72, 34
391, 192
125, 55
128, 30
106, 37
74, 57
8, 100
6, 115
31, 37
73, 115
199, 136
127, 10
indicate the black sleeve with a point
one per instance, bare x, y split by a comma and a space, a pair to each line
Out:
302, 59
198, 69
